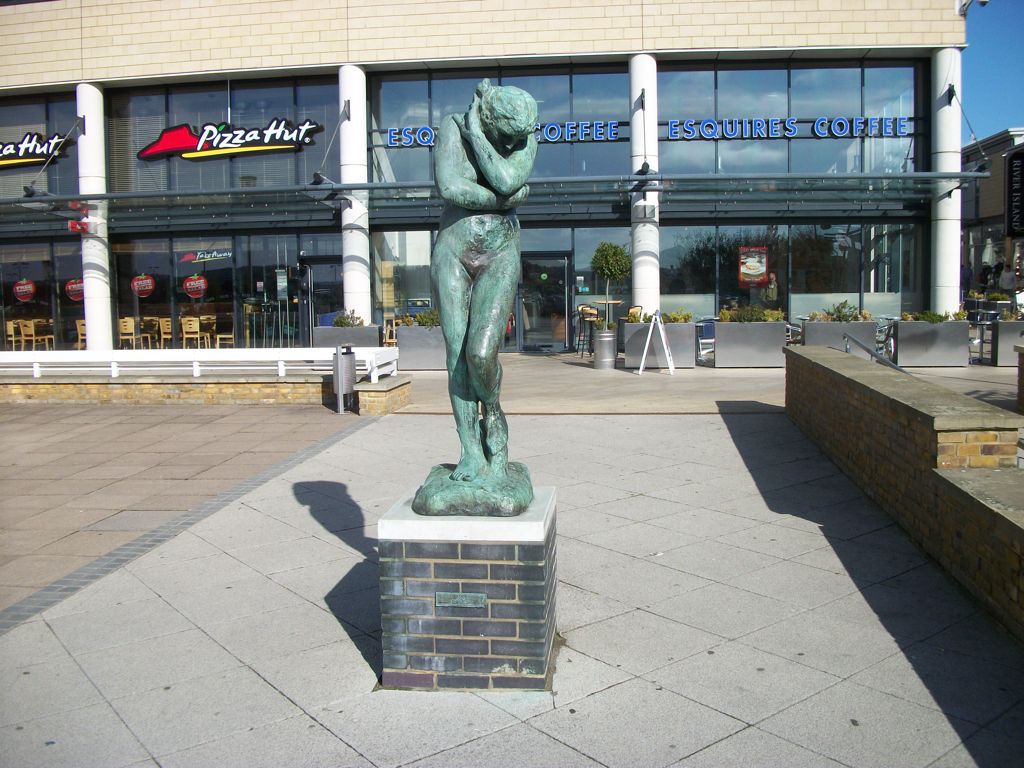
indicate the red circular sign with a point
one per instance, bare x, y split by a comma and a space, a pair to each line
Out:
196, 286
143, 285
75, 289
24, 290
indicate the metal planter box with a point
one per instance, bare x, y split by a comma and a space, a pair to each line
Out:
923, 344
1005, 334
359, 336
420, 348
749, 345
681, 341
826, 334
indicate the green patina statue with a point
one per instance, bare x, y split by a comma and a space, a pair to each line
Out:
482, 161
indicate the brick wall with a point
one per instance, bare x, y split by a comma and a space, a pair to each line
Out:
299, 390
93, 40
387, 396
504, 643
941, 464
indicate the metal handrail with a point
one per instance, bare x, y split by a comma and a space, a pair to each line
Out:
877, 357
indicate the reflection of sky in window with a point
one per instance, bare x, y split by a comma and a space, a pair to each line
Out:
587, 239
557, 239
198, 107
889, 91
401, 164
889, 155
752, 93
401, 103
552, 160
686, 156
601, 159
752, 156
683, 95
451, 96
603, 96
550, 91
825, 92
825, 156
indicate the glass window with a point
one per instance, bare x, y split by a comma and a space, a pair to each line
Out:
686, 95
145, 290
686, 156
136, 120
451, 96
688, 256
545, 240
892, 269
763, 156
197, 107
45, 117
588, 287
268, 285
399, 104
601, 96
825, 155
825, 92
401, 272
67, 256
318, 101
254, 106
748, 256
26, 274
204, 283
550, 91
752, 93
889, 91
826, 266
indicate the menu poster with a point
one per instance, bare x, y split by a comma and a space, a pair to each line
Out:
753, 266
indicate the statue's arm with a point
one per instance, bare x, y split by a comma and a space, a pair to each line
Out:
505, 174
454, 187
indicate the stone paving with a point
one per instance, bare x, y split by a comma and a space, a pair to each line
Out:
727, 598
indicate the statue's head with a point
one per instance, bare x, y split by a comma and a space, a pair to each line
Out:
508, 114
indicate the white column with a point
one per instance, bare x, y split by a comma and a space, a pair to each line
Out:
945, 288
643, 148
355, 221
92, 179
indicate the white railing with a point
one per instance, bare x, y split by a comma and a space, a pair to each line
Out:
374, 361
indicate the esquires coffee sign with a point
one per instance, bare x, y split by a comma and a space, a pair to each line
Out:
31, 149
223, 140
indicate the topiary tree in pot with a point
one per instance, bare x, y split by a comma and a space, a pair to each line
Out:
610, 262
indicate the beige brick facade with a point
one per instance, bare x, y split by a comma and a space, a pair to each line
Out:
68, 41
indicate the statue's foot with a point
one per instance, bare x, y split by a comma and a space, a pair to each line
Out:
470, 468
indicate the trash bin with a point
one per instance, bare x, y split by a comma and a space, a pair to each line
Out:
345, 378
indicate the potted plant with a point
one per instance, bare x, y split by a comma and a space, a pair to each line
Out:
610, 262
826, 328
347, 328
421, 342
606, 348
1007, 332
996, 301
931, 339
680, 332
750, 337
973, 300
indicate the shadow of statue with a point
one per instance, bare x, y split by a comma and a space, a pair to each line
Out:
355, 599
944, 638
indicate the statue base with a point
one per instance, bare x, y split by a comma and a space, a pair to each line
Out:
487, 497
468, 602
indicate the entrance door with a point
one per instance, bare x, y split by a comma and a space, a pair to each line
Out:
540, 319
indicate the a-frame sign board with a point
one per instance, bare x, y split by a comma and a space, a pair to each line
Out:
656, 321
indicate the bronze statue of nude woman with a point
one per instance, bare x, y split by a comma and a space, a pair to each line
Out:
481, 163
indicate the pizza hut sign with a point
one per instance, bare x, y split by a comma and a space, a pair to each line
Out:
143, 285
196, 286
24, 290
75, 289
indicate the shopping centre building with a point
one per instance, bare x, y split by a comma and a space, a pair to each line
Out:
264, 165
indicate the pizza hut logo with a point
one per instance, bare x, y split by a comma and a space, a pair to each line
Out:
24, 290
33, 149
221, 140
75, 289
196, 286
143, 285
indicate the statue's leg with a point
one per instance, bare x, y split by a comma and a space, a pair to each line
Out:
453, 288
493, 294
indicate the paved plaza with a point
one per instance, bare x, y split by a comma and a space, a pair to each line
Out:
726, 598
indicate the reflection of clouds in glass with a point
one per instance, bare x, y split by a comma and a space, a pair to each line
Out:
558, 239
550, 91
401, 164
752, 156
752, 93
587, 239
825, 92
889, 91
889, 155
552, 160
686, 157
602, 159
825, 156
685, 93
402, 103
602, 96
451, 96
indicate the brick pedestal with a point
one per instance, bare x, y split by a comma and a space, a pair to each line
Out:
468, 602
